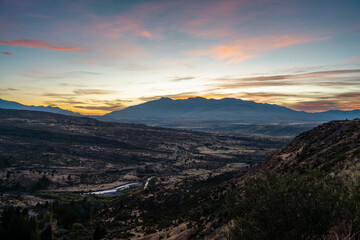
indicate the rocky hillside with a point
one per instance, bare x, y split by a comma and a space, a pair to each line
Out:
333, 147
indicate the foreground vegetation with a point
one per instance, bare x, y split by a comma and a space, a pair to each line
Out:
310, 205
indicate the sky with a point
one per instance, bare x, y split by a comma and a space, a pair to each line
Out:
94, 57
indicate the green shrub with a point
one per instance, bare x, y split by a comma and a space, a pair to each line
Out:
293, 206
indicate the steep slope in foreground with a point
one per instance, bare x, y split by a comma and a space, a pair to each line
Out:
307, 190
14, 105
331, 147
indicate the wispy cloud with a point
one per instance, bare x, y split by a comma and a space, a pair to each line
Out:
243, 49
81, 92
103, 106
36, 74
323, 78
94, 92
40, 44
7, 90
180, 79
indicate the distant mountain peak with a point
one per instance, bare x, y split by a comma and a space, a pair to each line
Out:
164, 99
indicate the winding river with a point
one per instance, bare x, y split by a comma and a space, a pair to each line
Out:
119, 189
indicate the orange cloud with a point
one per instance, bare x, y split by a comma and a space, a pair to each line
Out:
353, 104
39, 44
314, 105
232, 53
241, 50
7, 53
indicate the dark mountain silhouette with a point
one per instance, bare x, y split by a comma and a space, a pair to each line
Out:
14, 105
227, 109
209, 109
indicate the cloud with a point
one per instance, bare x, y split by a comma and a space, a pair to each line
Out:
104, 108
321, 78
40, 44
316, 106
7, 53
356, 104
180, 79
243, 49
81, 92
344, 101
6, 91
36, 74
94, 92
146, 34
349, 95
106, 105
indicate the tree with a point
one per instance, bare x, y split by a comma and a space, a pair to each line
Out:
99, 232
290, 206
46, 234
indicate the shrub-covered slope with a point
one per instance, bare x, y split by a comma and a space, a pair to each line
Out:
332, 147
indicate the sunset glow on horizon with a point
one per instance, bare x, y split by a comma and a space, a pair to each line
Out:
94, 57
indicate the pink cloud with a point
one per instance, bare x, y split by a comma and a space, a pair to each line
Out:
39, 44
146, 34
8, 53
243, 49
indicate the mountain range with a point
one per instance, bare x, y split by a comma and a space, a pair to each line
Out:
228, 114
227, 109
14, 105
